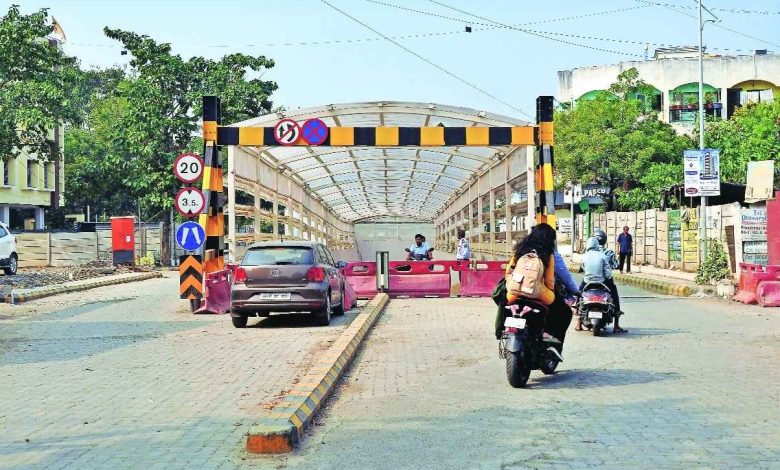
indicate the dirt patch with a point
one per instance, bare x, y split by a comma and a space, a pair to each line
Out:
29, 278
303, 368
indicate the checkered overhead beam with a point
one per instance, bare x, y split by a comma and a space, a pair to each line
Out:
391, 136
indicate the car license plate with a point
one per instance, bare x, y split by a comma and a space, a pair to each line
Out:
512, 322
597, 315
275, 296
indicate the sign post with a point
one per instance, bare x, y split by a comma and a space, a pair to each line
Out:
190, 202
702, 178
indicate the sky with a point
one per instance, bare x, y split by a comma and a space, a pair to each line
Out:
322, 56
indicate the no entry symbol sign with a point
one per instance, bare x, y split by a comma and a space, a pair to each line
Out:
314, 131
287, 132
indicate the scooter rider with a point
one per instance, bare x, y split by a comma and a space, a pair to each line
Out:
598, 265
420, 248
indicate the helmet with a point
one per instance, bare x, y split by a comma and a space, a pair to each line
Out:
601, 236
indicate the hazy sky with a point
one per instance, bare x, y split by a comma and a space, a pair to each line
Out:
513, 66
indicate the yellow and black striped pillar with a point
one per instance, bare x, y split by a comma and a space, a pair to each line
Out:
212, 219
545, 189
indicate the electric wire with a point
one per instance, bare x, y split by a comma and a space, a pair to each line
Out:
429, 62
740, 33
500, 25
741, 11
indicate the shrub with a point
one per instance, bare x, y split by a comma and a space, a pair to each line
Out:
716, 267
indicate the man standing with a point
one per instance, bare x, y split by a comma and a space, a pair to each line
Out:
626, 246
464, 248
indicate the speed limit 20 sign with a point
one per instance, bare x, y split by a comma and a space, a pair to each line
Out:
190, 202
188, 167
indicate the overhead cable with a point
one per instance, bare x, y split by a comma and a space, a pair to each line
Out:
429, 62
718, 25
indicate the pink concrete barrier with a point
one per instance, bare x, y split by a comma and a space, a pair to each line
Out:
216, 298
480, 280
768, 293
420, 278
361, 276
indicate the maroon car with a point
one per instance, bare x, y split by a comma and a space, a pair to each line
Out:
287, 277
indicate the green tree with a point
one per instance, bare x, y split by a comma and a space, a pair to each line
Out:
614, 139
752, 134
34, 77
140, 122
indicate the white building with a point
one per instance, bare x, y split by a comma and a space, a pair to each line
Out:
729, 82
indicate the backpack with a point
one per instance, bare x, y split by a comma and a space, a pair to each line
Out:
527, 278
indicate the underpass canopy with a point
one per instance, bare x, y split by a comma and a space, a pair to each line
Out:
359, 182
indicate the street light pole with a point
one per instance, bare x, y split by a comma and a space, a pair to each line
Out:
703, 211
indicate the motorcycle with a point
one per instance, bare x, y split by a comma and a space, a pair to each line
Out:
419, 257
522, 344
596, 308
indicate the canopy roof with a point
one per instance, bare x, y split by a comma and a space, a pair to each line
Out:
362, 182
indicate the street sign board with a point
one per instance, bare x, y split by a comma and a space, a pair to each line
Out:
188, 167
702, 172
190, 277
314, 131
287, 132
190, 236
190, 201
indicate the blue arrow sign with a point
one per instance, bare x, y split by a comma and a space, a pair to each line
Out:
190, 236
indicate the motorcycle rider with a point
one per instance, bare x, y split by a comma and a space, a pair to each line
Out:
419, 248
565, 286
597, 265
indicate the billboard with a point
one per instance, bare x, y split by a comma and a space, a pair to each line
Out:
701, 172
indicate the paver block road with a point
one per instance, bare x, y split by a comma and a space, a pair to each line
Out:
694, 385
126, 377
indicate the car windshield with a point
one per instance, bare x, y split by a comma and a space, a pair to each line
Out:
275, 256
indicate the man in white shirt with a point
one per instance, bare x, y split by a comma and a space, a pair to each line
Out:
464, 248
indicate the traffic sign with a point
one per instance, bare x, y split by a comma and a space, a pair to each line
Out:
190, 277
188, 167
287, 132
314, 131
190, 236
190, 201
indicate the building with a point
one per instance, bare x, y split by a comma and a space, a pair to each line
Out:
729, 82
30, 185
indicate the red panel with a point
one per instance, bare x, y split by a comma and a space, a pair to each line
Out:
773, 229
768, 293
361, 276
420, 278
123, 233
217, 295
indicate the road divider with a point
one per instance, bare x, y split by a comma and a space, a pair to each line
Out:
649, 284
281, 430
27, 295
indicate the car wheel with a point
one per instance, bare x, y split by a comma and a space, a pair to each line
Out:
13, 264
339, 309
322, 316
240, 322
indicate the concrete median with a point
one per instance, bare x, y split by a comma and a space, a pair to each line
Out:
659, 286
27, 295
280, 431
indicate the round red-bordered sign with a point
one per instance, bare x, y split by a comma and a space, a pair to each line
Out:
190, 201
188, 167
314, 131
287, 132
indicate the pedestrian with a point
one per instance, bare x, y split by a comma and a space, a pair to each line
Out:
464, 248
626, 247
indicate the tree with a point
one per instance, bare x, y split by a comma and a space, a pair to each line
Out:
752, 134
34, 77
614, 139
140, 122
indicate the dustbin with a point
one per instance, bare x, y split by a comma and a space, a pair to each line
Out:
123, 240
